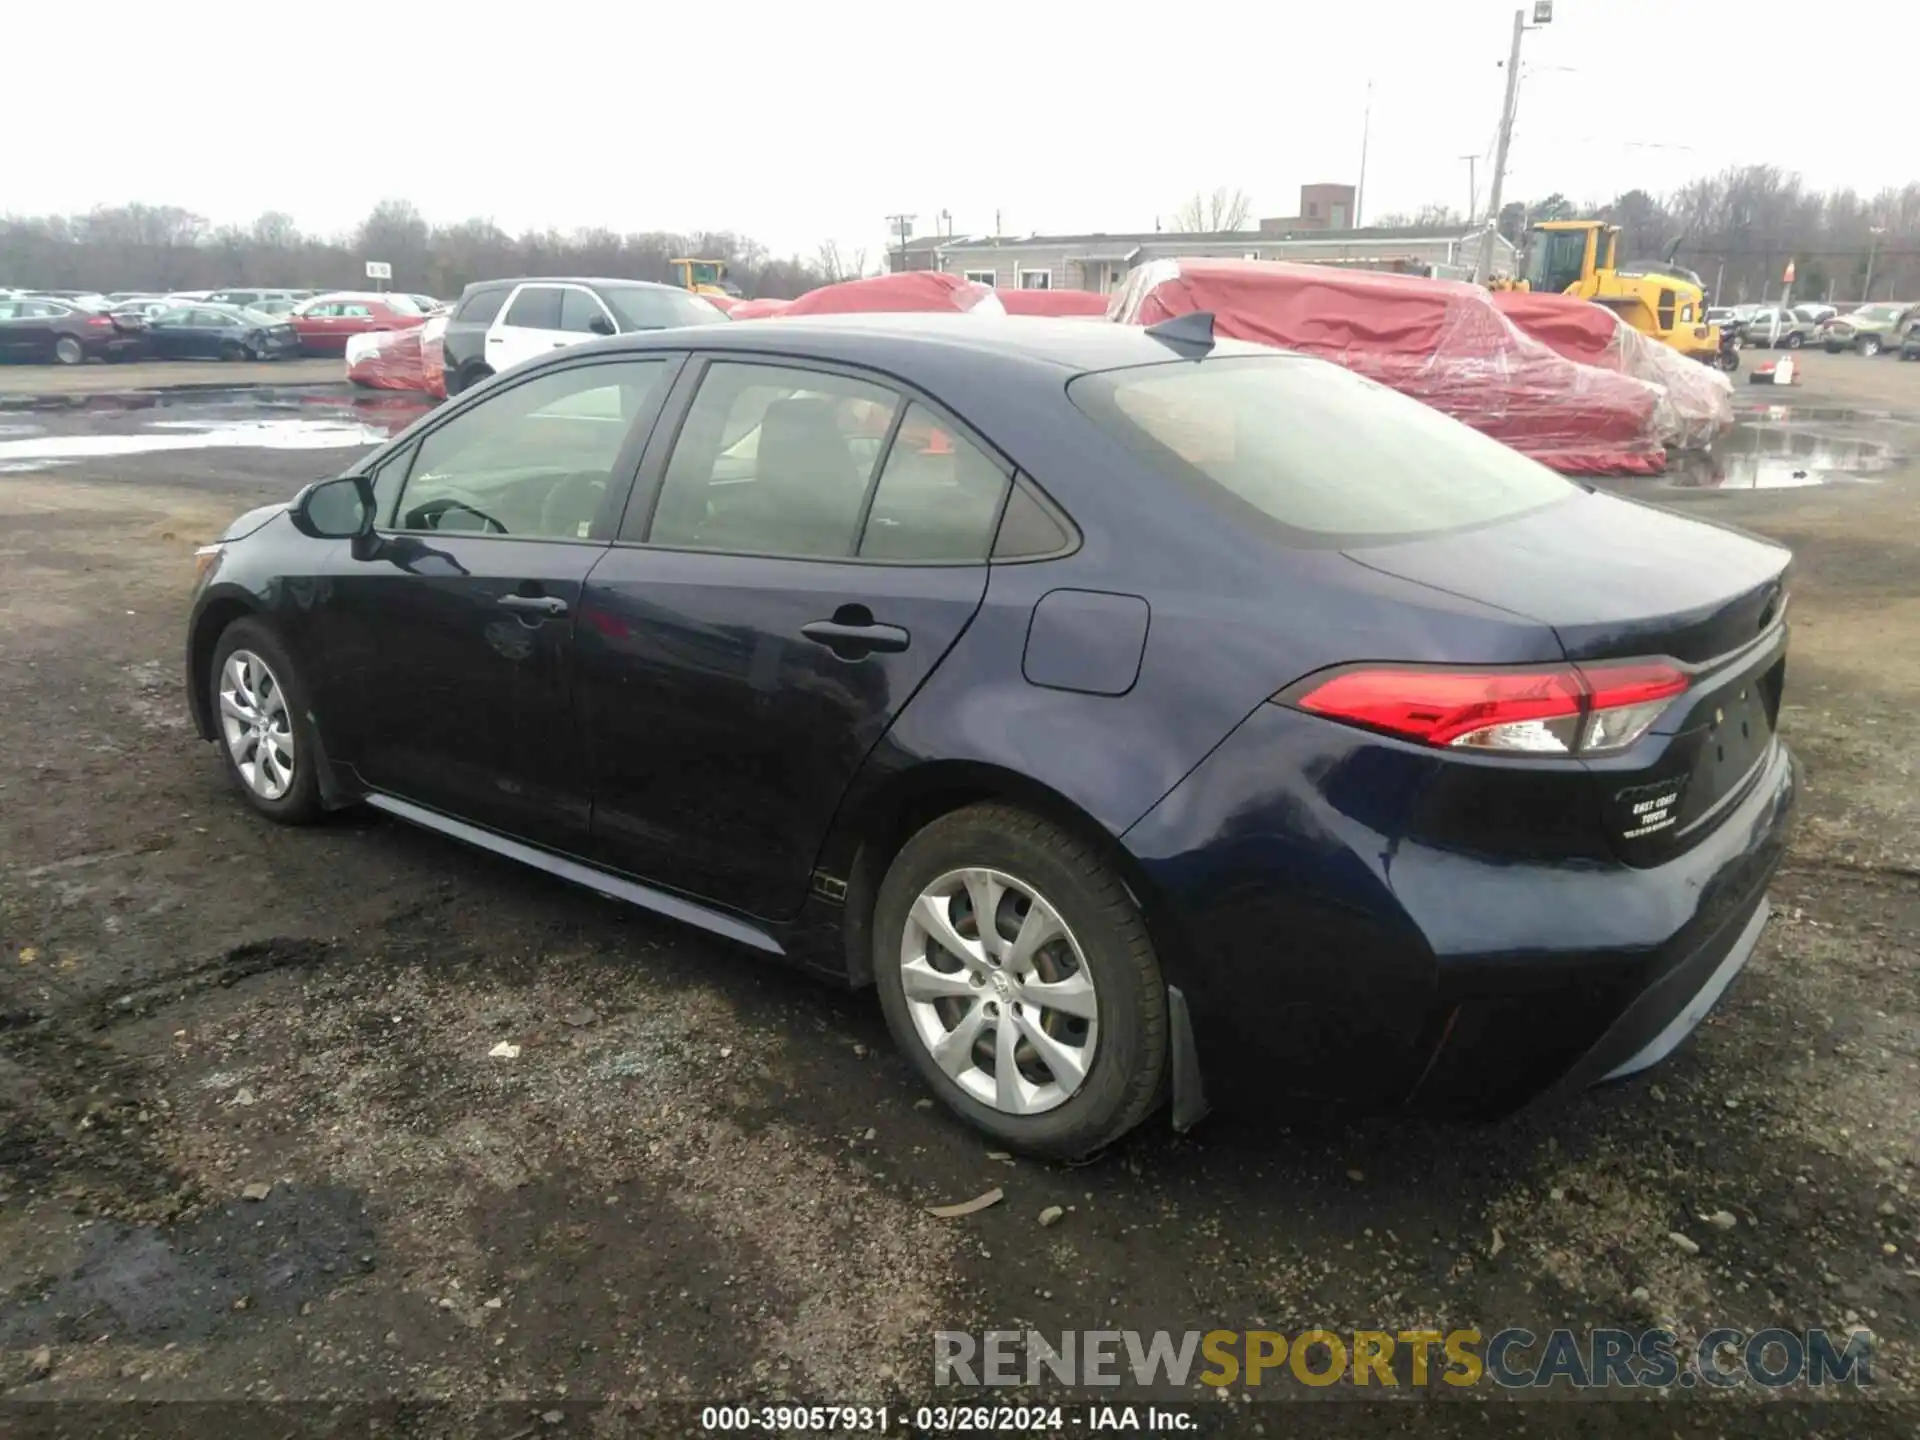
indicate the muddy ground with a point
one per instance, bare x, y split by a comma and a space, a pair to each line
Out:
91, 379
705, 1179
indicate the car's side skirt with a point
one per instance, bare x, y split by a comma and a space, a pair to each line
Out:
619, 888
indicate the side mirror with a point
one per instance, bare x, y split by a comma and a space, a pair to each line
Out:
600, 325
334, 509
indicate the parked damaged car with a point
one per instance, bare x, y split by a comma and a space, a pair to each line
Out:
1144, 715
1868, 330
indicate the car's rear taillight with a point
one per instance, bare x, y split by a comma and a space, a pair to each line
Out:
99, 320
1564, 710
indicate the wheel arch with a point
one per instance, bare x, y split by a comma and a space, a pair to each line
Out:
867, 839
208, 626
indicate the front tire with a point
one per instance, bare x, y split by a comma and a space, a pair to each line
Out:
1046, 1028
1794, 342
1870, 346
468, 377
69, 351
259, 709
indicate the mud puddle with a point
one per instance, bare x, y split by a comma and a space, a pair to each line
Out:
1772, 456
51, 431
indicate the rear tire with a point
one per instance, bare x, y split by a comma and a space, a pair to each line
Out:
69, 351
1794, 342
260, 718
1082, 999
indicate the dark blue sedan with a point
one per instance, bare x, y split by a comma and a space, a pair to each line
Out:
219, 332
1139, 715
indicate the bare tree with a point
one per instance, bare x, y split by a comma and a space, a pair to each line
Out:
836, 264
1209, 214
164, 247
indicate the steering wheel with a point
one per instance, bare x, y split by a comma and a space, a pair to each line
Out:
568, 500
429, 515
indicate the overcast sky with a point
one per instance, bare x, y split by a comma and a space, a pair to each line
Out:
795, 122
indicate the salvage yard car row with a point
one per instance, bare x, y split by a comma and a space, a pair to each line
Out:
71, 328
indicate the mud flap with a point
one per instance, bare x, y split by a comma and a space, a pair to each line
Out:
1189, 1092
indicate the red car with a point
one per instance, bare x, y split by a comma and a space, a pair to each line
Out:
326, 322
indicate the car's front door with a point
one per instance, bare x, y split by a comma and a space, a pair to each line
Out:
208, 331
528, 325
815, 544
458, 618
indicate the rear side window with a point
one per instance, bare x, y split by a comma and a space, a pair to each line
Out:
642, 309
938, 497
536, 308
480, 308
1329, 456
1027, 530
773, 460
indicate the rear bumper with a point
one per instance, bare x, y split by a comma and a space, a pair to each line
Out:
1346, 963
1685, 930
1669, 1009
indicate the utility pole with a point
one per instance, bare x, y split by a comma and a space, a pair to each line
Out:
1873, 253
1366, 129
902, 225
1473, 187
1542, 13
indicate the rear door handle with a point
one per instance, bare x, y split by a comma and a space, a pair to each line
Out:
536, 604
496, 339
851, 642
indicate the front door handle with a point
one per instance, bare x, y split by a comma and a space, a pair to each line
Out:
536, 604
853, 642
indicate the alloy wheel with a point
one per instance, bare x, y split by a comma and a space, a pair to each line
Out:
257, 725
999, 991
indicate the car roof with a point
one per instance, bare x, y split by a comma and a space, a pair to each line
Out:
1076, 345
596, 280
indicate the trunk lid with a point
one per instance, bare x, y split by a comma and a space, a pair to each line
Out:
1614, 578
1617, 580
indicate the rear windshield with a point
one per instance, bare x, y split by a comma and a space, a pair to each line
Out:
660, 309
1321, 451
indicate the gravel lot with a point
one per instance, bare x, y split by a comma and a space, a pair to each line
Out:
704, 1179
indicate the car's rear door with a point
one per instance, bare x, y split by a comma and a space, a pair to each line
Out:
13, 330
528, 325
458, 625
804, 546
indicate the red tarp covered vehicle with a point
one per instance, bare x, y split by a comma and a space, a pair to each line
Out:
758, 309
1087, 303
1700, 400
911, 290
412, 360
1440, 341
